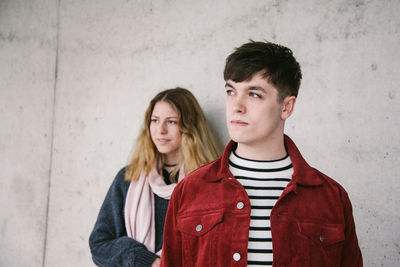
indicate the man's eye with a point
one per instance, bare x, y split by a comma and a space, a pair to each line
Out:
229, 92
255, 95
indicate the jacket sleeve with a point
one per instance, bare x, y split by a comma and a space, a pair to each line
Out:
109, 244
351, 254
172, 241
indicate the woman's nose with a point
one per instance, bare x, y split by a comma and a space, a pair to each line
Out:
163, 128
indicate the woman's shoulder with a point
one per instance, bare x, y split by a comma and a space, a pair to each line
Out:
119, 180
121, 173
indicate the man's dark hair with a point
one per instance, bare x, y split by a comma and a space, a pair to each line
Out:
276, 61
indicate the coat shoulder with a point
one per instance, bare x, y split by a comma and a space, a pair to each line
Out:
201, 174
332, 183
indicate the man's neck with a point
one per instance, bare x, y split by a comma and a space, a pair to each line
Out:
271, 149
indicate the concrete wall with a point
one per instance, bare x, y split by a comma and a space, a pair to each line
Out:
27, 81
76, 76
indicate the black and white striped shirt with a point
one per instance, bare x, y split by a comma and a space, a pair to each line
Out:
264, 182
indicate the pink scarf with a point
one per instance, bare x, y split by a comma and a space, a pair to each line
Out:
139, 205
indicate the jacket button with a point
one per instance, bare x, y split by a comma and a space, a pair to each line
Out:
240, 205
236, 256
230, 178
199, 228
321, 238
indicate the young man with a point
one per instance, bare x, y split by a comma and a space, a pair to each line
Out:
260, 204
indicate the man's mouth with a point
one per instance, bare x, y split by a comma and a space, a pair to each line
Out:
238, 123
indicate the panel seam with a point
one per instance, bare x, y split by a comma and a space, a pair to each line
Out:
52, 137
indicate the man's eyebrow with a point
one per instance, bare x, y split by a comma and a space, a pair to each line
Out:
249, 88
229, 85
256, 88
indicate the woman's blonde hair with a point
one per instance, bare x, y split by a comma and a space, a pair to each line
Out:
198, 144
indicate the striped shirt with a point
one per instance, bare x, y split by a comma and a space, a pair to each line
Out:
264, 182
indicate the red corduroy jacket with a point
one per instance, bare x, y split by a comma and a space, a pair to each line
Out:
311, 223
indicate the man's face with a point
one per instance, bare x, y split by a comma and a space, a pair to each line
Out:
253, 113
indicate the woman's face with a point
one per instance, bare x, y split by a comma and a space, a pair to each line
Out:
165, 132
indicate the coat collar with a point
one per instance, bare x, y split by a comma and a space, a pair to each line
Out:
303, 174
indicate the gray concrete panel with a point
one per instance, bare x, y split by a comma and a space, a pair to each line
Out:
116, 57
27, 69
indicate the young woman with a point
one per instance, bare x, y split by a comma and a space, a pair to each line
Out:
175, 139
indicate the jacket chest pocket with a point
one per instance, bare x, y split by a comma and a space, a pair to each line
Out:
200, 237
325, 242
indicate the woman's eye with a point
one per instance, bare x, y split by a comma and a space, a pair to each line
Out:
172, 122
154, 121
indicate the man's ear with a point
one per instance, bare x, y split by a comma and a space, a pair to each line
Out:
288, 107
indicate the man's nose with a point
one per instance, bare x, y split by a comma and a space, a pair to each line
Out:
239, 105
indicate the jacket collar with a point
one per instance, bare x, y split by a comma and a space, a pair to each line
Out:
303, 174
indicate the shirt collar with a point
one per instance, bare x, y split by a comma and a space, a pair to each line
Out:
303, 174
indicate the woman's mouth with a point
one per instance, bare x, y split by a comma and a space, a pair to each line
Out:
162, 140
